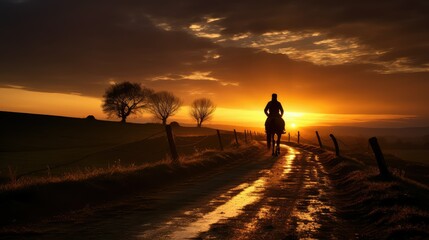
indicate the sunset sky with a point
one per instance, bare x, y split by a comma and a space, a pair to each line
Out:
363, 63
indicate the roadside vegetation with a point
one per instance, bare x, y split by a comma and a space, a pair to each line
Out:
393, 208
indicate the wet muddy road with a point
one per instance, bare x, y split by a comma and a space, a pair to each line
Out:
285, 197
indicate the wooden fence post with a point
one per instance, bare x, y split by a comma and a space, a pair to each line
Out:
318, 139
236, 139
245, 136
298, 137
288, 138
172, 144
337, 149
382, 167
220, 140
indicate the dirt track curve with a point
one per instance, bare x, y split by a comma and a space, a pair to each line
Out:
285, 197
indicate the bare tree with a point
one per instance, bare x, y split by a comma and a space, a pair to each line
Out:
202, 109
122, 99
163, 105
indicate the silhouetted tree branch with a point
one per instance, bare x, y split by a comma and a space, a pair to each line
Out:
122, 99
163, 105
202, 109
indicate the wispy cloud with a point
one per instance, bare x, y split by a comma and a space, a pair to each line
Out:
200, 76
195, 76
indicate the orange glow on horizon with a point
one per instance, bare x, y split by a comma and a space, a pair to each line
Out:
71, 105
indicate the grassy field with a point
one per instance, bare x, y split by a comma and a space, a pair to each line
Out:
417, 155
37, 145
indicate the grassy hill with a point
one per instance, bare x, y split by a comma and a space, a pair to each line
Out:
31, 142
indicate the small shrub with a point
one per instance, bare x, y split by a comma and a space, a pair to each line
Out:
90, 118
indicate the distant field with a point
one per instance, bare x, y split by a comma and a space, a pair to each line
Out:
414, 155
32, 142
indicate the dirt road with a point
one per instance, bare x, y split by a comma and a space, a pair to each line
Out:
285, 197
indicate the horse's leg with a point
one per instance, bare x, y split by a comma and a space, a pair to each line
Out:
279, 136
268, 141
274, 143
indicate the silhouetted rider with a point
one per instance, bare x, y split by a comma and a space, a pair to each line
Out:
274, 109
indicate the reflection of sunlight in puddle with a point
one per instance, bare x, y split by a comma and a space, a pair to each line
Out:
230, 209
288, 165
290, 156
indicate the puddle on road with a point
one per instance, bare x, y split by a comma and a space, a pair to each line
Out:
231, 208
242, 196
290, 156
309, 212
249, 194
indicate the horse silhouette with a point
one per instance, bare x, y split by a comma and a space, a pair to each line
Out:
274, 126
